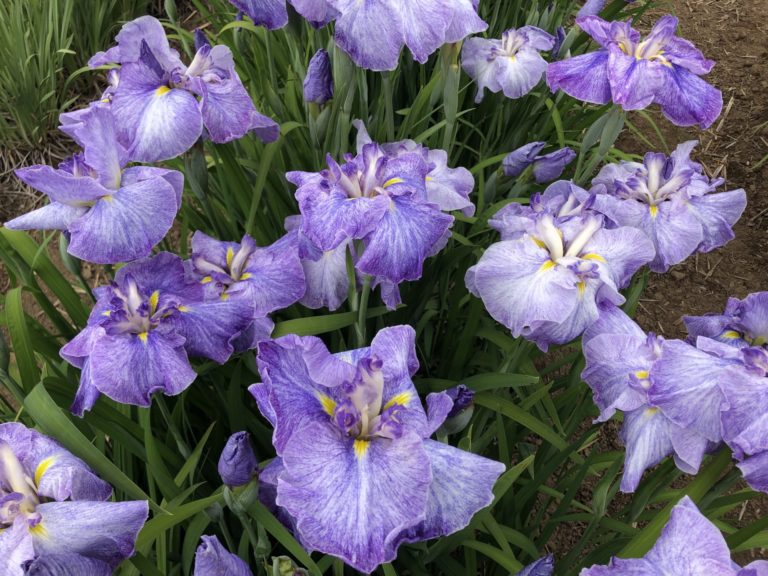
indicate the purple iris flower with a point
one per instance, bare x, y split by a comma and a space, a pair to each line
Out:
672, 201
238, 464
542, 567
463, 408
624, 371
155, 103
353, 443
740, 335
212, 559
689, 545
511, 65
391, 197
318, 83
634, 73
594, 7
142, 328
555, 264
260, 279
111, 215
373, 33
546, 167
54, 511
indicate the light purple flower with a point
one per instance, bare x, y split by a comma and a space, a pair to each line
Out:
353, 441
672, 201
689, 545
391, 198
142, 328
318, 83
512, 65
555, 264
155, 103
212, 559
272, 14
743, 323
546, 167
261, 279
55, 513
633, 73
111, 214
622, 367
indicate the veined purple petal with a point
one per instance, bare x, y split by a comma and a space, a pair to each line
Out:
16, 547
520, 75
583, 77
718, 213
465, 21
688, 100
518, 160
755, 471
404, 237
373, 52
61, 186
353, 500
144, 30
67, 565
130, 370
478, 64
462, 485
634, 82
743, 417
154, 121
136, 174
53, 216
550, 166
449, 188
326, 276
238, 464
272, 14
104, 531
318, 83
425, 23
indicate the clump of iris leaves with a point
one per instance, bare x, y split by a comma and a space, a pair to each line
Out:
531, 410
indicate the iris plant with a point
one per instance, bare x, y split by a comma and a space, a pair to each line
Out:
634, 73
55, 514
157, 113
545, 167
356, 473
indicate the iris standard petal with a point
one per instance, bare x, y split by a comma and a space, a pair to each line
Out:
744, 417
403, 238
126, 225
462, 485
130, 369
354, 500
583, 77
104, 531
144, 30
449, 188
155, 122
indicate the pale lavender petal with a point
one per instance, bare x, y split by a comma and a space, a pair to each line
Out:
373, 52
550, 166
755, 471
327, 281
465, 21
61, 186
425, 23
624, 251
519, 75
634, 82
144, 30
67, 564
272, 14
718, 213
478, 62
53, 216
354, 502
212, 559
16, 548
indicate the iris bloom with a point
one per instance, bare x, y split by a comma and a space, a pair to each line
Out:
511, 65
672, 201
546, 167
142, 328
111, 214
542, 567
373, 33
55, 513
262, 280
633, 73
689, 545
238, 464
211, 558
555, 264
155, 103
624, 371
357, 474
741, 335
391, 197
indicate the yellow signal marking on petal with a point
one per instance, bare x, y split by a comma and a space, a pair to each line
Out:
654, 210
759, 341
246, 276
731, 334
206, 280
429, 179
392, 182
328, 404
582, 286
162, 91
39, 531
107, 198
593, 256
153, 300
642, 374
42, 468
143, 337
224, 297
230, 256
399, 400
106, 313
361, 447
183, 308
539, 243
650, 411
548, 265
